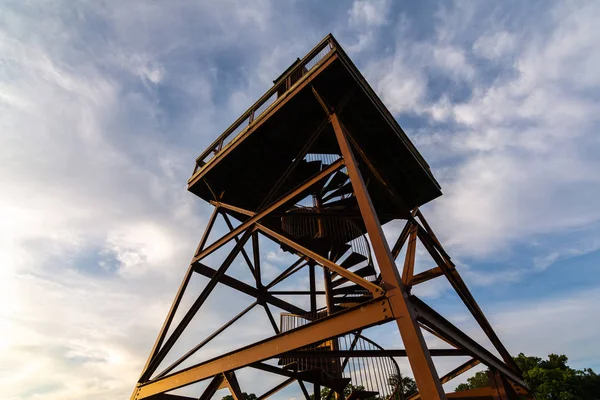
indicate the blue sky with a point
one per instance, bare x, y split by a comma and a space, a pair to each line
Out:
105, 105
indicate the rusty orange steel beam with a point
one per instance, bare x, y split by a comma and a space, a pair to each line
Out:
483, 393
419, 358
375, 312
461, 369
427, 275
376, 290
446, 329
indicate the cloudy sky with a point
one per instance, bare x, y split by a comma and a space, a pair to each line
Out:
105, 105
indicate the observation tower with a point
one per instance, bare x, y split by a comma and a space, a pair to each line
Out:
315, 168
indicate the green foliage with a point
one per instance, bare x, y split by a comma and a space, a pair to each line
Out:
407, 387
480, 379
347, 390
245, 395
550, 379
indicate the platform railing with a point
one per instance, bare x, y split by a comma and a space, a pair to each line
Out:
284, 84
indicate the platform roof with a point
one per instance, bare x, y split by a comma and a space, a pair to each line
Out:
242, 165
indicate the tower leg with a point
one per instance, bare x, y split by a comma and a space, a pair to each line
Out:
420, 360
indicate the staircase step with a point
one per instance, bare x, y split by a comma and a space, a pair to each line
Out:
353, 259
367, 270
342, 204
336, 182
361, 395
315, 376
354, 289
351, 299
288, 363
308, 167
346, 189
319, 245
349, 305
303, 171
338, 251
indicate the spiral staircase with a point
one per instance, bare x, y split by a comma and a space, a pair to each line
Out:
324, 228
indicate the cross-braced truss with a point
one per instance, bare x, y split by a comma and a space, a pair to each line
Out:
354, 302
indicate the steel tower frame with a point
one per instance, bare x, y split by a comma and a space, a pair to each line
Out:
391, 300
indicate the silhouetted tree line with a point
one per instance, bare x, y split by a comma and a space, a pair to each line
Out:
550, 379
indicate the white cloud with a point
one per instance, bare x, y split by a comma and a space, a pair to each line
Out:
97, 228
368, 12
399, 83
495, 45
561, 325
453, 60
521, 149
103, 109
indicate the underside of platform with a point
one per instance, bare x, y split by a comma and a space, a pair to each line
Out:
242, 166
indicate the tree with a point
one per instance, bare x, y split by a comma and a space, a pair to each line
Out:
347, 390
550, 379
406, 385
480, 379
245, 395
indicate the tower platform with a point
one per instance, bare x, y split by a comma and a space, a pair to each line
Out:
244, 163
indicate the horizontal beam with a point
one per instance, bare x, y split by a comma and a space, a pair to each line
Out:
371, 353
427, 275
483, 393
247, 289
375, 312
445, 328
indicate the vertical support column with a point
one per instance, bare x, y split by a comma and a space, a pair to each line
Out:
313, 312
313, 290
420, 360
256, 254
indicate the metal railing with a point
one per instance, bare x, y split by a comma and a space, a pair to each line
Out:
374, 373
284, 84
